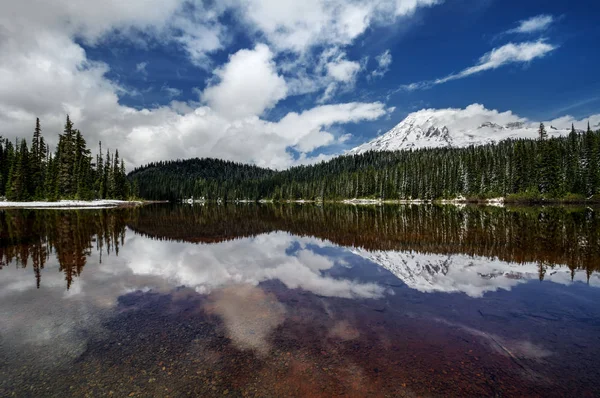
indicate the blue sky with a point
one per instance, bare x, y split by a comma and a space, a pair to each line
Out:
279, 83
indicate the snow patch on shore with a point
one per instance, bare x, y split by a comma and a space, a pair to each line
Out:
68, 204
356, 201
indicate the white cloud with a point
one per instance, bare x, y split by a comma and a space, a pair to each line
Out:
336, 73
199, 31
249, 84
564, 122
298, 25
204, 132
384, 60
534, 24
507, 54
88, 20
408, 7
343, 70
186, 22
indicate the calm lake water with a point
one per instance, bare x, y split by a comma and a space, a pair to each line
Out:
300, 300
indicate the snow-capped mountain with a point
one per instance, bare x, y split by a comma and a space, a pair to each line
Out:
474, 125
473, 276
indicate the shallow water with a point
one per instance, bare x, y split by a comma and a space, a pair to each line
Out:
300, 300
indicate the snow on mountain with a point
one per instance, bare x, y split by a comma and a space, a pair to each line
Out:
473, 276
474, 125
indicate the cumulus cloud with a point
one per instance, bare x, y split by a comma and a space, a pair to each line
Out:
342, 70
535, 24
204, 132
249, 84
384, 60
337, 72
298, 25
507, 54
89, 21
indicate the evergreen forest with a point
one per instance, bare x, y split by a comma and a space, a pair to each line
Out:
563, 168
33, 172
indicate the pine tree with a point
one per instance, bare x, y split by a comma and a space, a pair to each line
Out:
592, 173
573, 173
65, 156
109, 181
42, 164
36, 162
125, 187
100, 187
542, 132
116, 176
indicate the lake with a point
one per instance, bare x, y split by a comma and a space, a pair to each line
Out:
300, 300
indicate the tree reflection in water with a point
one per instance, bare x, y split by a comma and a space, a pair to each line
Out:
549, 236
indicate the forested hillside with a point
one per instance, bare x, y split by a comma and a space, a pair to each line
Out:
566, 167
35, 173
209, 178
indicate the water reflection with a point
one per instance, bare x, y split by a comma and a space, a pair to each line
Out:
432, 248
33, 235
300, 301
472, 275
249, 315
276, 255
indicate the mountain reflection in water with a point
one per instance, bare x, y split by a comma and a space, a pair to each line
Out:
300, 300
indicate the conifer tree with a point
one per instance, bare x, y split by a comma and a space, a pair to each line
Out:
542, 132
65, 156
100, 187
573, 172
36, 162
109, 181
591, 162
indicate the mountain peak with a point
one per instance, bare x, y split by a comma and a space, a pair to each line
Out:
442, 128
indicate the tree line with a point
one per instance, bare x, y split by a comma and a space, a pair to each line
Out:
565, 167
33, 172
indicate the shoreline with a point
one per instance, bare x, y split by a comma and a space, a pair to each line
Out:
75, 204
461, 201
